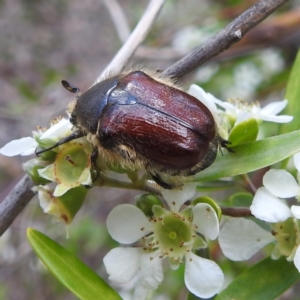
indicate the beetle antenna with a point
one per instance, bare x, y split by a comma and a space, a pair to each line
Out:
71, 137
70, 87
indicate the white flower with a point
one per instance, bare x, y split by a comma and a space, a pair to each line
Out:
270, 112
267, 207
235, 112
24, 146
240, 111
168, 234
27, 145
58, 130
267, 204
240, 238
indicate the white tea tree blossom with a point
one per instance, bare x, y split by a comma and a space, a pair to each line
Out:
28, 145
236, 112
268, 203
60, 174
168, 234
241, 238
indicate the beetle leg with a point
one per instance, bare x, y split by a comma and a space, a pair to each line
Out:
224, 144
95, 169
157, 178
94, 158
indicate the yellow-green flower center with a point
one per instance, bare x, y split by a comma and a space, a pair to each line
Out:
287, 235
70, 163
173, 234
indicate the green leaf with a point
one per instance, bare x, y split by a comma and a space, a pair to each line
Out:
244, 132
293, 96
264, 281
252, 156
69, 270
241, 199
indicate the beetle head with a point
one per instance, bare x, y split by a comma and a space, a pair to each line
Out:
87, 111
89, 106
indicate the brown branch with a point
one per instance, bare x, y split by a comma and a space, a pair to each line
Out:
14, 203
236, 211
225, 38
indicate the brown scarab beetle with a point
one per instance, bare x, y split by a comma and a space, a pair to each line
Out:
142, 122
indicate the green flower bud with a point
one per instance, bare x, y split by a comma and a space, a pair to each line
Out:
211, 202
65, 207
32, 166
146, 202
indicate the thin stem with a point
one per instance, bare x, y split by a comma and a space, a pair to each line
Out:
249, 184
225, 38
236, 211
139, 185
136, 38
118, 18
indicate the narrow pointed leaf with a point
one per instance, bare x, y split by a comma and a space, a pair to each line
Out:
264, 281
69, 270
252, 156
293, 96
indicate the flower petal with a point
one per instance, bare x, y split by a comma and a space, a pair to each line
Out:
45, 197
206, 98
175, 198
297, 259
229, 107
140, 292
151, 270
243, 115
269, 208
274, 108
202, 277
281, 183
240, 239
295, 209
23, 146
86, 177
276, 119
206, 220
58, 130
62, 188
297, 161
126, 224
122, 264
